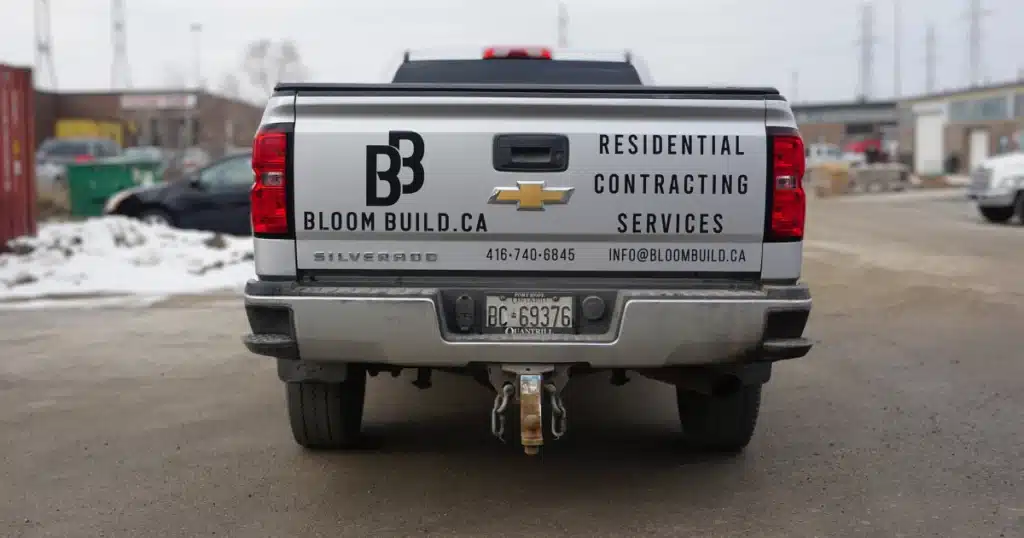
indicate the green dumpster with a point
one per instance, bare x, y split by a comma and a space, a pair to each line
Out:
91, 184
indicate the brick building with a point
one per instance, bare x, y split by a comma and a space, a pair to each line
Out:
158, 118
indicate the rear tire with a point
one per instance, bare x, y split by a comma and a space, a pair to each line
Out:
723, 424
997, 215
327, 416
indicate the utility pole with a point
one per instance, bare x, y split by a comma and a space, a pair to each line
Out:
896, 82
197, 33
120, 72
975, 13
929, 59
44, 45
867, 46
191, 137
563, 26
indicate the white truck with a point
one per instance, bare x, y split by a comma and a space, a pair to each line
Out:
997, 187
525, 216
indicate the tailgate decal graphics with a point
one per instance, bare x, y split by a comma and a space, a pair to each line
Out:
396, 162
417, 188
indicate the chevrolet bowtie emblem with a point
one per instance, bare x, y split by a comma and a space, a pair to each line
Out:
530, 195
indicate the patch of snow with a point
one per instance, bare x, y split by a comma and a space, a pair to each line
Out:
122, 256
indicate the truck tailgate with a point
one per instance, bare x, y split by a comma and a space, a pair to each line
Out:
533, 182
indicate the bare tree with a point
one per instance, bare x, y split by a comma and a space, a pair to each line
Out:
268, 62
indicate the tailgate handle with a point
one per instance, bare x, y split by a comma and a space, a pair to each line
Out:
531, 153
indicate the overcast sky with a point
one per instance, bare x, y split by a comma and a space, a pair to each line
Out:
685, 42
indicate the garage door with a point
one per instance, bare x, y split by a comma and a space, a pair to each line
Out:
928, 145
979, 147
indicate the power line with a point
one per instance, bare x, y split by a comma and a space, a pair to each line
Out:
192, 137
120, 72
196, 30
929, 59
896, 82
867, 43
975, 12
44, 45
563, 26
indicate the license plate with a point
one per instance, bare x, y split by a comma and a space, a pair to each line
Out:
529, 313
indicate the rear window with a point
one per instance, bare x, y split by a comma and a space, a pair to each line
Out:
567, 72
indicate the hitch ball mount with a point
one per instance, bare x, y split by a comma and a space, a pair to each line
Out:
529, 385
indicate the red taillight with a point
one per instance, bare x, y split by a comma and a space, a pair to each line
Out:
83, 158
533, 53
789, 203
269, 205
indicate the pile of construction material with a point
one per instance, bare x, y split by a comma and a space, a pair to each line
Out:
838, 178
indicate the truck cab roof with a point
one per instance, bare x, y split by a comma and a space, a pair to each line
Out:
521, 65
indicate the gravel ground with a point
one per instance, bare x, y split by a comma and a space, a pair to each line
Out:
905, 420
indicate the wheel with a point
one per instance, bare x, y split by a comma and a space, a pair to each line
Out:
157, 217
997, 214
327, 415
719, 423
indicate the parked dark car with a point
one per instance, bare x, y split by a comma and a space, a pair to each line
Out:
215, 198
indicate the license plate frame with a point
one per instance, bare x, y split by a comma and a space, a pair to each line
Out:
496, 322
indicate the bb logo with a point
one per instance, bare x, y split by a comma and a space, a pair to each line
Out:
396, 162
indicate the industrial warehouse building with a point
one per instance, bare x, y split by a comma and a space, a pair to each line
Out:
937, 134
157, 118
954, 131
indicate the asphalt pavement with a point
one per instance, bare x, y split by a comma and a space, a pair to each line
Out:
907, 419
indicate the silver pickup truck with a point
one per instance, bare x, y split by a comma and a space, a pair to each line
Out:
525, 216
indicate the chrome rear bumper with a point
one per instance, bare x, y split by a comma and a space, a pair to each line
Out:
648, 328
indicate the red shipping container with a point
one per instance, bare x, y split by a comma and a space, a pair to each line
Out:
17, 154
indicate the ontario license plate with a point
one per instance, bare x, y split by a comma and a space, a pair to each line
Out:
529, 313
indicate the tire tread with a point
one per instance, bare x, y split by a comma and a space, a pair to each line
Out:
723, 424
327, 415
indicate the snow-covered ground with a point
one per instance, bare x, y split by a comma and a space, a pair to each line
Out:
112, 256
